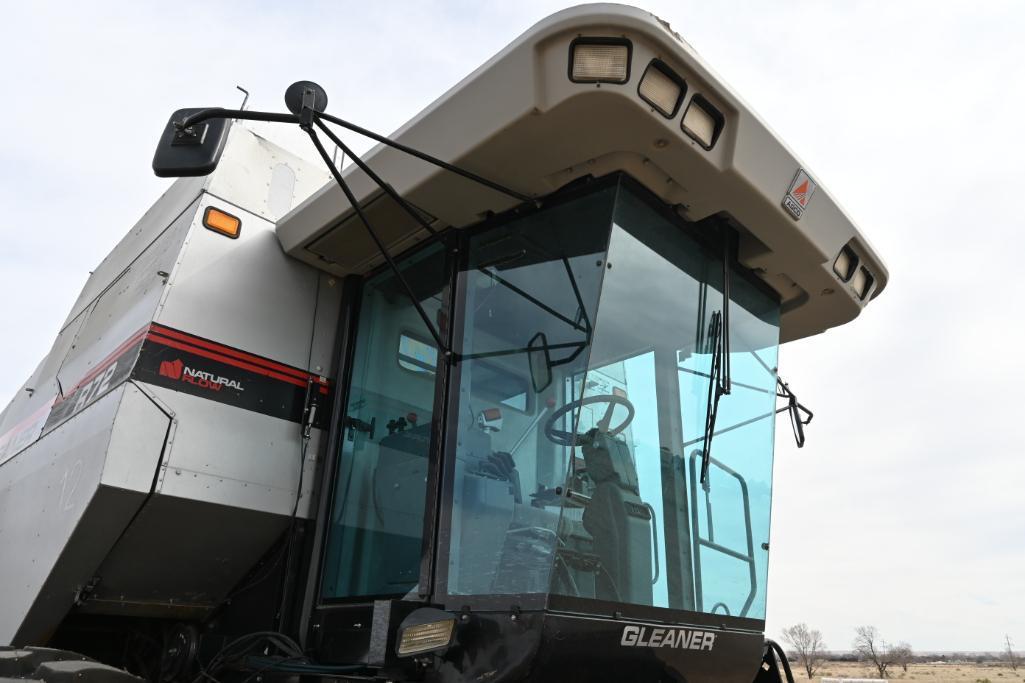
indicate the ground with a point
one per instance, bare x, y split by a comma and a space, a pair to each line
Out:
931, 673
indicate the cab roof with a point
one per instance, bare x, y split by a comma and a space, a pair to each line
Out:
520, 119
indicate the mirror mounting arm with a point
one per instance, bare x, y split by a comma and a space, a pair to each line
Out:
221, 113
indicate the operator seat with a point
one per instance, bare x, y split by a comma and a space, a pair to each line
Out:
618, 521
398, 501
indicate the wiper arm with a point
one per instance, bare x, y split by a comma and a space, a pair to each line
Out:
720, 383
795, 409
718, 386
800, 415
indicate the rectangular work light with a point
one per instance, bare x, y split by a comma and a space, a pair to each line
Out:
862, 283
845, 263
662, 88
702, 122
425, 630
599, 60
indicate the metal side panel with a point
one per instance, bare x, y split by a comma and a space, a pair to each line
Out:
156, 219
180, 558
58, 519
245, 293
230, 456
262, 177
23, 419
126, 307
223, 496
137, 442
325, 325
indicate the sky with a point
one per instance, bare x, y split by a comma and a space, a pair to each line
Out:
905, 510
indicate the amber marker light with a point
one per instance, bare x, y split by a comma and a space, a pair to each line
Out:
224, 223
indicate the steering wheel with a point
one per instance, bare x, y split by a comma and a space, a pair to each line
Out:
565, 438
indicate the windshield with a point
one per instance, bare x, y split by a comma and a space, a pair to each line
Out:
577, 411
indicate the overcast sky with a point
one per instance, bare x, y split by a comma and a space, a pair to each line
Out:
906, 508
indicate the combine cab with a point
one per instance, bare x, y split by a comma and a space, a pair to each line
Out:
495, 403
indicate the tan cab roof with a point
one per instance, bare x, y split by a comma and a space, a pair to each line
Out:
520, 120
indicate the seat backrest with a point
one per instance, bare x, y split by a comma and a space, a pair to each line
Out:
619, 522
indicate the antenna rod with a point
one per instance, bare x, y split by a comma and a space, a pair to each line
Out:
244, 99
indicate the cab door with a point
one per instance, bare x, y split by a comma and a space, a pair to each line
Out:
376, 528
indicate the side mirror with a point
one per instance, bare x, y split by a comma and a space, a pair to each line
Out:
540, 362
193, 151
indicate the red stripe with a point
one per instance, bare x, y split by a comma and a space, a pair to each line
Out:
226, 359
102, 365
40, 412
235, 353
207, 349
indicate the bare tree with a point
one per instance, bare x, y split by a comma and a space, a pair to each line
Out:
902, 655
808, 645
870, 646
1012, 657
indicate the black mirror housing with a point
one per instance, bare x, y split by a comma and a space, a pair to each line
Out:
194, 151
540, 362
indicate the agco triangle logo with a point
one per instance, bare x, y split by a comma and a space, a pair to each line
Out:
177, 370
801, 194
795, 201
171, 368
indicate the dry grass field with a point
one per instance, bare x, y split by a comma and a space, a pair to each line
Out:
931, 673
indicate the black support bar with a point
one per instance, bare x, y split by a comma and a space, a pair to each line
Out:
470, 175
377, 240
406, 206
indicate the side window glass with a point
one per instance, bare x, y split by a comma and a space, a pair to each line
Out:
377, 515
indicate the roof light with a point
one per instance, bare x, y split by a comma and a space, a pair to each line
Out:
662, 88
599, 60
702, 122
224, 223
862, 283
845, 263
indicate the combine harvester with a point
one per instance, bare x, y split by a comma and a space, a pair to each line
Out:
495, 404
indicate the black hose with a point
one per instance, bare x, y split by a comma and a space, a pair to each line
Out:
782, 658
